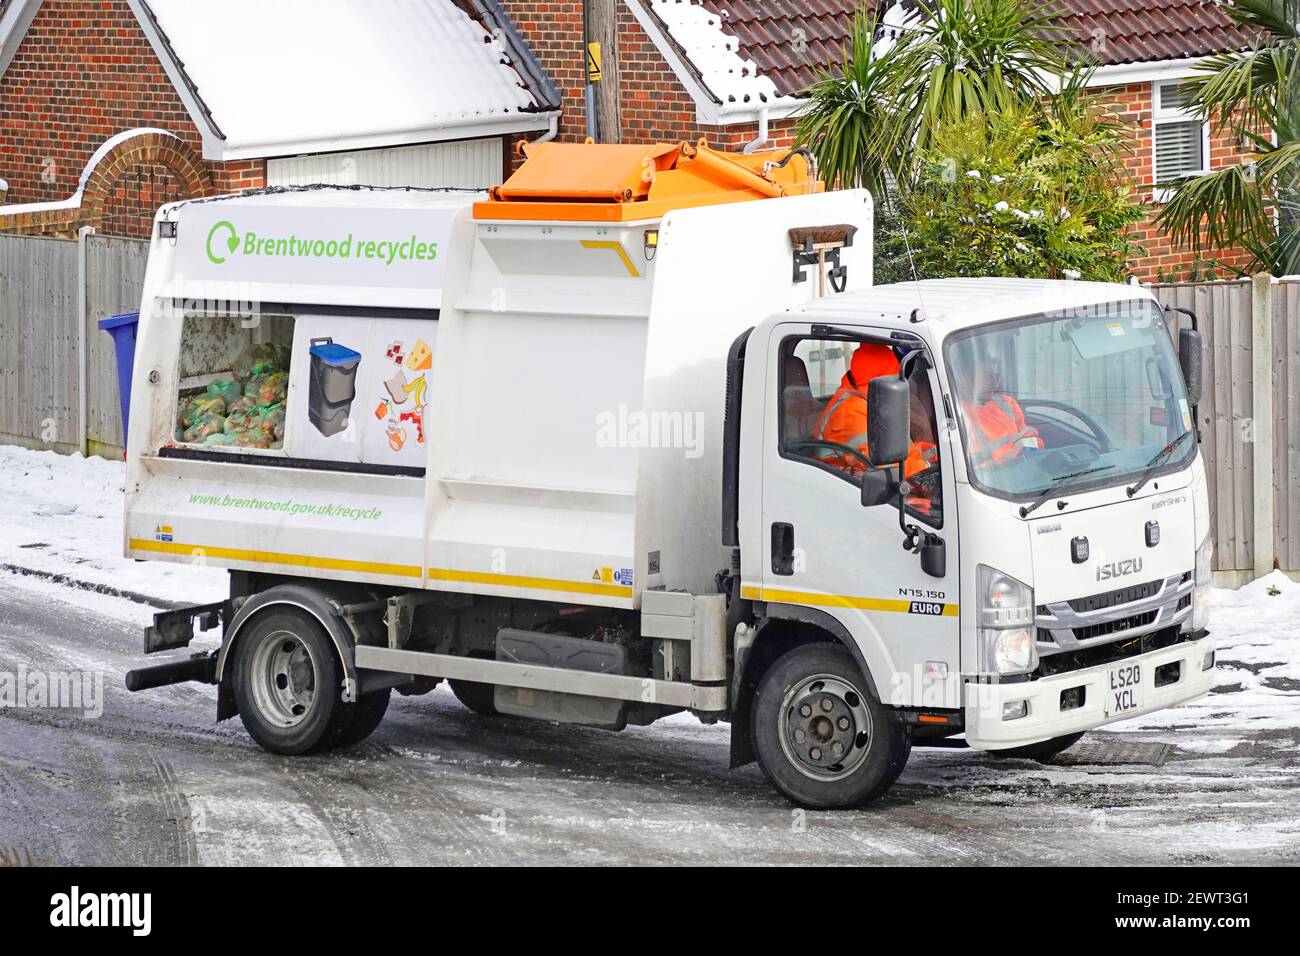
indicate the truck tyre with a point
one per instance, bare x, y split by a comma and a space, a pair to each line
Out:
287, 680
1042, 750
820, 735
357, 721
480, 698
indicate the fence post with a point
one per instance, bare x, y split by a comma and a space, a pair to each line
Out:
83, 347
1261, 344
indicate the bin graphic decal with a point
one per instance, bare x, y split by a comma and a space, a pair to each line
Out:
333, 385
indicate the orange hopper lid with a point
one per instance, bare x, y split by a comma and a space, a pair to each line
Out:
606, 182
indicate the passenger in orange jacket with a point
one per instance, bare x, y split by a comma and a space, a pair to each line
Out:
995, 422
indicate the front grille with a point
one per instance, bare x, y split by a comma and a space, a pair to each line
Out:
1113, 626
1134, 592
1107, 653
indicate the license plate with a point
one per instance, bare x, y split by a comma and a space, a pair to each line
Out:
1123, 689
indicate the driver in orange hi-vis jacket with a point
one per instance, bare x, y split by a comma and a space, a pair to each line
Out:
844, 422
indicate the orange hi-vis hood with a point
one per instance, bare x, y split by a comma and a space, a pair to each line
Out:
608, 182
845, 419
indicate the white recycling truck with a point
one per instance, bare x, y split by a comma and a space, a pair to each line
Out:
571, 445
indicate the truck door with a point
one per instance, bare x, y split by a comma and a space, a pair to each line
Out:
825, 554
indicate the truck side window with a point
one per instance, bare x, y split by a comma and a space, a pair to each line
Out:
823, 412
234, 381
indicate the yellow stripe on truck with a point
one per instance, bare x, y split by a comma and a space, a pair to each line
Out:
536, 584
751, 593
618, 248
276, 557
375, 567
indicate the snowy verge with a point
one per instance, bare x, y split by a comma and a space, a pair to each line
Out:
61, 518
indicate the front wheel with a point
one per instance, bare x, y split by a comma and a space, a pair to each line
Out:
820, 735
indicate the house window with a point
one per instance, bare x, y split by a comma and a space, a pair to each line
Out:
1181, 139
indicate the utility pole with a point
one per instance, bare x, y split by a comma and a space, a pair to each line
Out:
600, 50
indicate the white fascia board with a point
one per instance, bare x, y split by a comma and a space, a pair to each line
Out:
13, 29
709, 110
1123, 74
471, 128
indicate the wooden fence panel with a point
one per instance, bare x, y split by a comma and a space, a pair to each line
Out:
40, 371
38, 306
1224, 313
114, 283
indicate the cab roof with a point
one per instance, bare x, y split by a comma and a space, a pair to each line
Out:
952, 304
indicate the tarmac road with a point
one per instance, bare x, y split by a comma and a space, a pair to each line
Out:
155, 781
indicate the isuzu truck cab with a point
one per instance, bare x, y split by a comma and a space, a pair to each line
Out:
568, 445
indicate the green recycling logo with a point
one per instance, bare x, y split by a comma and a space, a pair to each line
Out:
218, 257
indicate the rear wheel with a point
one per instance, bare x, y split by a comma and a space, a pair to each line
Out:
1041, 750
820, 735
480, 698
286, 679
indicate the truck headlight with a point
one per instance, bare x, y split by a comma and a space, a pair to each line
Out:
1201, 586
1008, 641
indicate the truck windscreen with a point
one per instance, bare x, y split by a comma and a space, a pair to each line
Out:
1068, 400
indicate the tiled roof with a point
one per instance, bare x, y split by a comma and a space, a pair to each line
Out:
788, 41
1141, 31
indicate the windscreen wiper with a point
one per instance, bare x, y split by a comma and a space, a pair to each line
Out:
1051, 489
1156, 461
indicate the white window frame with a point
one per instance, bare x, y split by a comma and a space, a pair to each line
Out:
1179, 115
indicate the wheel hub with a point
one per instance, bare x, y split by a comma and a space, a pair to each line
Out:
283, 679
826, 729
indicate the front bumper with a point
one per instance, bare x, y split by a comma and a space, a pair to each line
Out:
986, 730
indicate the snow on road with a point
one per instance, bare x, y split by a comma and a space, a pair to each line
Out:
154, 780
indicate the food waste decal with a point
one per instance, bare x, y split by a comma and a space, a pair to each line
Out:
401, 407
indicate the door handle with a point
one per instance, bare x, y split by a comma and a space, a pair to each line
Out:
782, 547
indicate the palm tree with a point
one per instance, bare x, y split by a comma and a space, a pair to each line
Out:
1255, 96
848, 121
957, 57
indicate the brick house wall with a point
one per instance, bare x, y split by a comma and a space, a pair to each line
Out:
1133, 105
85, 72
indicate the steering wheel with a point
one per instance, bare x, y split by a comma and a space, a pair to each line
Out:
1099, 433
798, 446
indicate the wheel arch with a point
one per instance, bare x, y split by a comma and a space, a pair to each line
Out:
323, 602
782, 627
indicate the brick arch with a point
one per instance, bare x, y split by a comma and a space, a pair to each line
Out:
99, 185
148, 149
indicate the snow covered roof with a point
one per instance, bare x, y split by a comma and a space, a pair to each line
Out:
707, 56
298, 76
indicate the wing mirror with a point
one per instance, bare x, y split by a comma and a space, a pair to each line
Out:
1191, 357
889, 420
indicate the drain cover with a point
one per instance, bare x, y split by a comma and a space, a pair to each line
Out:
1113, 752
